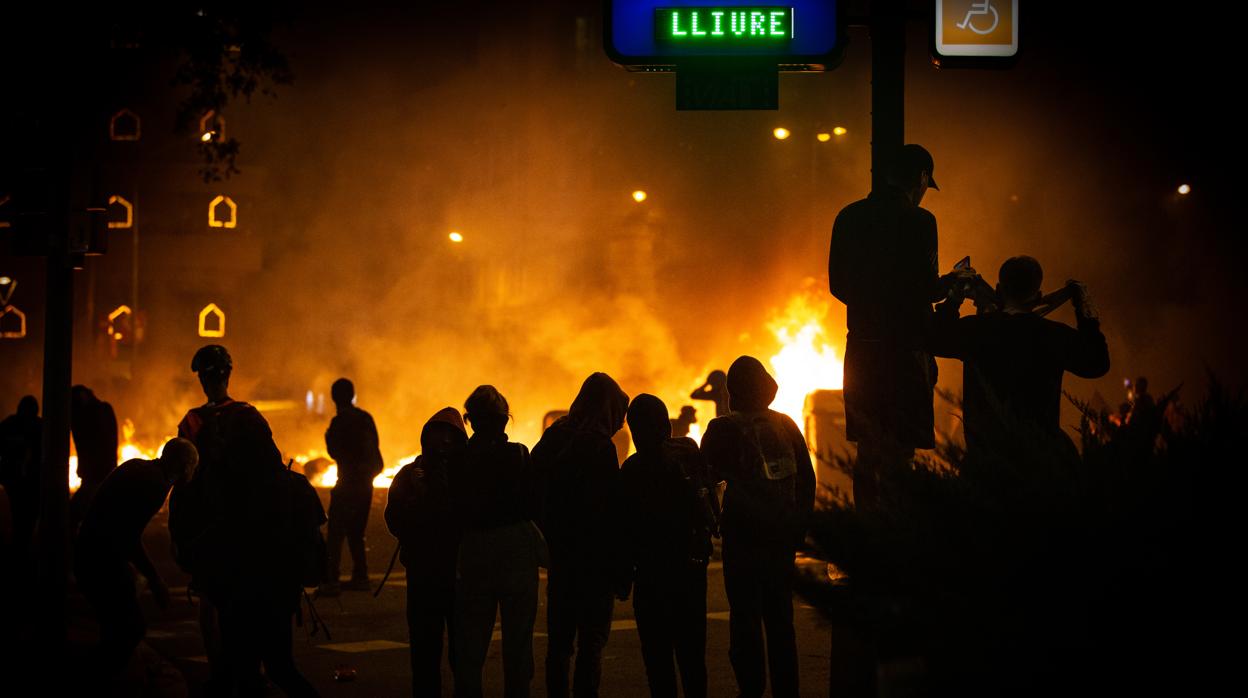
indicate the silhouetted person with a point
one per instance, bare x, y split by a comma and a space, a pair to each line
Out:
882, 265
680, 425
353, 444
499, 551
580, 468
94, 427
1142, 413
419, 513
21, 457
228, 529
110, 541
715, 389
668, 518
769, 497
1014, 361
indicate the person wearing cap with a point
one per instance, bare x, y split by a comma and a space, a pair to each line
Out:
1013, 363
228, 535
494, 497
110, 540
419, 513
770, 495
352, 442
883, 266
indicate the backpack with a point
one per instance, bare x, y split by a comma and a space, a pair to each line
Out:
307, 549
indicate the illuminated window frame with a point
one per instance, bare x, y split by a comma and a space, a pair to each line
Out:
112, 126
4, 199
120, 310
118, 199
211, 309
213, 221
212, 123
21, 317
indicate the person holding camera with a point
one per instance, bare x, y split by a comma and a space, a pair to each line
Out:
1014, 360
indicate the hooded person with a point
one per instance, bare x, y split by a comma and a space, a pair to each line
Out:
579, 468
770, 495
500, 549
419, 514
668, 517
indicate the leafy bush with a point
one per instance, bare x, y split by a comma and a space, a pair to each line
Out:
1032, 567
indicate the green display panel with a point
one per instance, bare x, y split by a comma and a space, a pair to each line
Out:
752, 26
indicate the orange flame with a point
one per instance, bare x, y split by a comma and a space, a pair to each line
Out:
806, 362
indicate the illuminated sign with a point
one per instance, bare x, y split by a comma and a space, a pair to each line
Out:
724, 25
211, 321
127, 207
124, 126
231, 208
661, 35
115, 318
12, 322
975, 32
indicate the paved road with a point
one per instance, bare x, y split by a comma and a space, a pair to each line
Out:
370, 635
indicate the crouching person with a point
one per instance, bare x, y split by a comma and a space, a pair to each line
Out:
418, 513
110, 541
669, 516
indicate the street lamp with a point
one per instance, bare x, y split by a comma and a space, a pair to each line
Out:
780, 133
455, 236
1184, 189
639, 196
823, 137
839, 131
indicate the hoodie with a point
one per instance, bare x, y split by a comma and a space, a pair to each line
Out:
763, 457
418, 509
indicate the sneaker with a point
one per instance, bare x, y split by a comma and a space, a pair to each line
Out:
329, 590
357, 585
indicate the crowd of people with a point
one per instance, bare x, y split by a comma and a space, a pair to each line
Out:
476, 515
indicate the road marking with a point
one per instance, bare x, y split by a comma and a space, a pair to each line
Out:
365, 646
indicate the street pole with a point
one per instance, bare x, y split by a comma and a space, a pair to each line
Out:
888, 84
52, 620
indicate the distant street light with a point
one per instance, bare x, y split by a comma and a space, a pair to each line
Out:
5, 281
207, 137
639, 196
456, 237
780, 133
839, 131
1184, 189
823, 137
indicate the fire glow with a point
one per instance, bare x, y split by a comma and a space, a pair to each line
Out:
805, 362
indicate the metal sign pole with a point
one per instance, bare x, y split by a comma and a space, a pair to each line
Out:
888, 84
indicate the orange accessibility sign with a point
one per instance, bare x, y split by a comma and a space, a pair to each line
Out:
977, 27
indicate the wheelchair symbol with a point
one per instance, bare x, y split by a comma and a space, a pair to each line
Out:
979, 9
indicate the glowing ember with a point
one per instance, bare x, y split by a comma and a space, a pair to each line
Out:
805, 362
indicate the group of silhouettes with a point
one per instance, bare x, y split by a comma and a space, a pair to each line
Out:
477, 515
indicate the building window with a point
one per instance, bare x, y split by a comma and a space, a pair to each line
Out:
124, 126
12, 323
222, 213
211, 321
120, 212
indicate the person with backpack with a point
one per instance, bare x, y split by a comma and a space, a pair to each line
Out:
669, 515
419, 514
235, 531
580, 469
770, 494
353, 444
500, 549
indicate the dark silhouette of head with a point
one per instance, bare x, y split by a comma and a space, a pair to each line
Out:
688, 413
599, 407
750, 387
443, 434
911, 168
81, 395
343, 393
213, 365
487, 410
717, 379
1141, 385
178, 459
1019, 281
648, 422
28, 407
